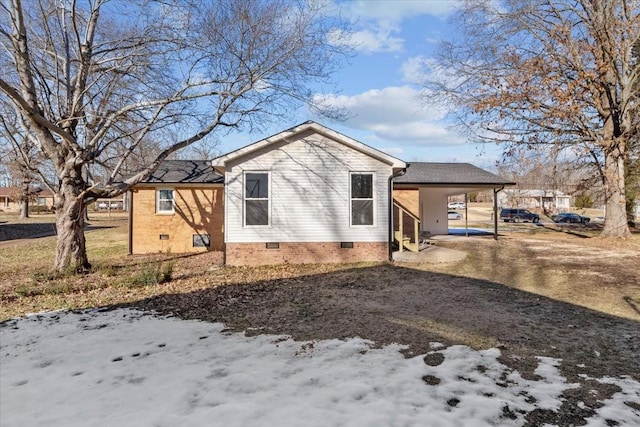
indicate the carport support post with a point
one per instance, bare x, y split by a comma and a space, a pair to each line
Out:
495, 212
466, 215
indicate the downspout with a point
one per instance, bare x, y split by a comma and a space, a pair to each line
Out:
390, 192
495, 212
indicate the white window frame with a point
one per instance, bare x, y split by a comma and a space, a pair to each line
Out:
173, 202
373, 200
245, 199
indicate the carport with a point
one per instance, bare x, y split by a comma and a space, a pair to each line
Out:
421, 195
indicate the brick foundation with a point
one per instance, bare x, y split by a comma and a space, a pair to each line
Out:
253, 254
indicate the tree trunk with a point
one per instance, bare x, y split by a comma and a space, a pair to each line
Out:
71, 251
24, 208
615, 224
24, 200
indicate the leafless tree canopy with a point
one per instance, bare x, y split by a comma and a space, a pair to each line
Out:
101, 81
561, 73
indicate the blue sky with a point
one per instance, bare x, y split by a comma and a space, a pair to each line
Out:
393, 40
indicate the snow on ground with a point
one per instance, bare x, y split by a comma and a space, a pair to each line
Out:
126, 368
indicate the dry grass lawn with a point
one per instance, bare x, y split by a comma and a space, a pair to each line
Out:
567, 265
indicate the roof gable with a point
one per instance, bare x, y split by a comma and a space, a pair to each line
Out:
307, 127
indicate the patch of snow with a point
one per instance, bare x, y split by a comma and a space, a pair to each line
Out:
622, 407
128, 368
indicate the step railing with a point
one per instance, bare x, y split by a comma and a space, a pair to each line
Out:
404, 241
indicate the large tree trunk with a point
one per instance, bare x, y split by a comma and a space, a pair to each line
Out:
24, 200
71, 251
616, 212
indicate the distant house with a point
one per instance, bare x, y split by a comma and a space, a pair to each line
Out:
114, 204
308, 194
39, 199
547, 200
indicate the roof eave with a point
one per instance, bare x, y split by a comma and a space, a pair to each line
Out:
449, 184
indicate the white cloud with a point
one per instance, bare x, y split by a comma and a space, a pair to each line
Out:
379, 40
377, 23
419, 69
396, 113
414, 69
397, 10
375, 39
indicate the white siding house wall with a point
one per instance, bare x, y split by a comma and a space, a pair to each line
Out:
309, 193
433, 207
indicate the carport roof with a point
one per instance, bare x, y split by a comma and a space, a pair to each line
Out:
448, 174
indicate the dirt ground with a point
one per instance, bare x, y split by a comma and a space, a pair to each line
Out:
522, 311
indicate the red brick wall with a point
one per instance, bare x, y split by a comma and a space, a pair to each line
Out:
252, 254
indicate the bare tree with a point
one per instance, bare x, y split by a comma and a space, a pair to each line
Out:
97, 80
550, 73
22, 160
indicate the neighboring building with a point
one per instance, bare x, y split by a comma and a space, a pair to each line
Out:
39, 199
547, 200
118, 203
305, 195
178, 209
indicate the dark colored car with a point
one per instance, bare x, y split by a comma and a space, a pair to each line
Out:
517, 215
570, 217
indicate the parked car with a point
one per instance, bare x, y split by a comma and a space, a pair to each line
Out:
456, 205
517, 215
454, 215
570, 217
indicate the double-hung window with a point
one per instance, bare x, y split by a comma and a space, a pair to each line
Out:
256, 199
362, 201
165, 201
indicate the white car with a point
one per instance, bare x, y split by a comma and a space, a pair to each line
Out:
456, 205
454, 215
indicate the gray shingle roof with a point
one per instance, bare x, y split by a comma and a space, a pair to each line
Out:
449, 173
185, 171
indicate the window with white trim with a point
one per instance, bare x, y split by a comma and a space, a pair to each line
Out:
362, 201
165, 203
256, 199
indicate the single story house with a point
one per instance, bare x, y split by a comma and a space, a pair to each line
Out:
547, 200
308, 194
40, 199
